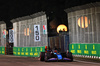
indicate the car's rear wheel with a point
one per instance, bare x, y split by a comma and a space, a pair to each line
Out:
47, 56
69, 55
42, 56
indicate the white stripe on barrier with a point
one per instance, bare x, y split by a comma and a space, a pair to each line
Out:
85, 56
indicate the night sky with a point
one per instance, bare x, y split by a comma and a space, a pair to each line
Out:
11, 9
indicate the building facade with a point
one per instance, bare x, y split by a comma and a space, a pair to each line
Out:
84, 29
30, 35
2, 37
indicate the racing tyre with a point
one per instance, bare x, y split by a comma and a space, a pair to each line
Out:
69, 55
47, 56
42, 56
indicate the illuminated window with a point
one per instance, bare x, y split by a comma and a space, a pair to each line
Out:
83, 23
28, 32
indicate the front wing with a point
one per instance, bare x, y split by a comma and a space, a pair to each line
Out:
59, 58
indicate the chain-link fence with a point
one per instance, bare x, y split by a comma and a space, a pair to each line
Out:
30, 31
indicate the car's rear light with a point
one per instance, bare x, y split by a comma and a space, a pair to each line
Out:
55, 51
45, 48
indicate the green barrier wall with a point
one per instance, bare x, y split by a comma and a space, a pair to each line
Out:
2, 50
28, 51
85, 49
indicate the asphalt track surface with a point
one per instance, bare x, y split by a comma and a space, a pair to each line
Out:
8, 60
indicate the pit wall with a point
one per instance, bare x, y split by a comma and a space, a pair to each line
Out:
28, 51
2, 50
85, 49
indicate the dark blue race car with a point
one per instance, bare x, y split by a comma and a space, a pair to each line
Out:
55, 55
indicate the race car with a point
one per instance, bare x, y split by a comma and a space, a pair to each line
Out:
55, 55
